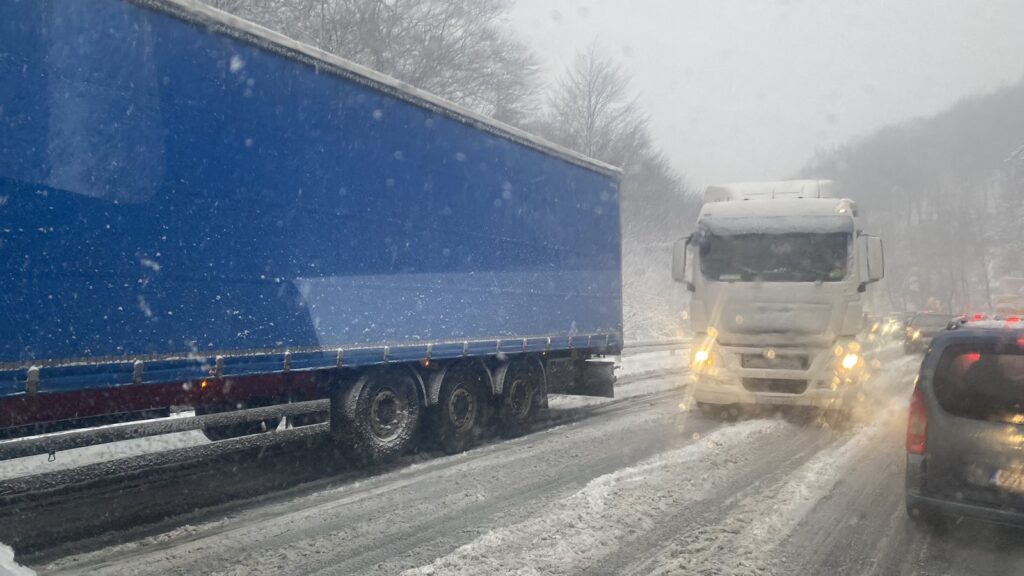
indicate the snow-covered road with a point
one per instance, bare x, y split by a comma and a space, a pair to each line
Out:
643, 485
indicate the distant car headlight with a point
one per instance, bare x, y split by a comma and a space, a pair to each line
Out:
915, 335
850, 360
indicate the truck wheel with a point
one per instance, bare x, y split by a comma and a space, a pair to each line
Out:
521, 396
229, 431
461, 411
375, 420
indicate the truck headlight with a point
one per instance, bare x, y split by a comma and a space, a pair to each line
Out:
850, 361
703, 361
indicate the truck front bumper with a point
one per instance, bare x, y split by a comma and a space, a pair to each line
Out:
820, 383
733, 392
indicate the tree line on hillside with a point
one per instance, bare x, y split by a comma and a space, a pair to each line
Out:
465, 52
947, 195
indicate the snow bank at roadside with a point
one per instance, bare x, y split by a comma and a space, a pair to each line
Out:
578, 530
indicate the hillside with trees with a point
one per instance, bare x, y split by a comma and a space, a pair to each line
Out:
947, 195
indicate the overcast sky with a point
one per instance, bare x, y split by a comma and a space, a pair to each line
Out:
749, 89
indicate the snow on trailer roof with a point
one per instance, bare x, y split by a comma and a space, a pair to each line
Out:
817, 215
224, 23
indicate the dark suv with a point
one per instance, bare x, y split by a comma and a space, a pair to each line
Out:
965, 433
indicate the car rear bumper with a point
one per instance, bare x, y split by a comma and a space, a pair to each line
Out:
916, 499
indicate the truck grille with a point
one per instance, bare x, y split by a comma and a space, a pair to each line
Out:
796, 362
775, 385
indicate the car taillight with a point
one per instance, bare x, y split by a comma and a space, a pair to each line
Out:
917, 424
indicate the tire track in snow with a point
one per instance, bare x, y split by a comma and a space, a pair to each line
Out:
744, 541
580, 529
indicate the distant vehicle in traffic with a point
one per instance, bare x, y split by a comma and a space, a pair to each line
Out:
965, 429
922, 328
887, 328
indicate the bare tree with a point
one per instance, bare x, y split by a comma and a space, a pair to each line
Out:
458, 50
592, 110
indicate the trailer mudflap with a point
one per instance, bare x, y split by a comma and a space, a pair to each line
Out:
581, 377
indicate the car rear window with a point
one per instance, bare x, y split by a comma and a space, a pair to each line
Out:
983, 382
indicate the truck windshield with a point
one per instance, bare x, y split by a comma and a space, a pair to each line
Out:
794, 257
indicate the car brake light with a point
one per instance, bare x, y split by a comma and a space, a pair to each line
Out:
917, 424
979, 316
1013, 319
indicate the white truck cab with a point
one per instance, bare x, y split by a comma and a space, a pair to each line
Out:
778, 271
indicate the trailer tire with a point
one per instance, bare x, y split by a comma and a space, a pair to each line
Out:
522, 393
461, 413
376, 419
229, 431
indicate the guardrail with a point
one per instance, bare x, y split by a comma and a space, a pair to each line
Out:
59, 441
645, 346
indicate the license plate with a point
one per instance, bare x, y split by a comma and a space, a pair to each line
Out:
1009, 480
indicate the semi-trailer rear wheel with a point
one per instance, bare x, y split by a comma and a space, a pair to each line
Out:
460, 415
521, 396
376, 418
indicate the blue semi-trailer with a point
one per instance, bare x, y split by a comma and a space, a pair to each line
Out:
197, 211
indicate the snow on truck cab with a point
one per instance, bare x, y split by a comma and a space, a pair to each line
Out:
777, 271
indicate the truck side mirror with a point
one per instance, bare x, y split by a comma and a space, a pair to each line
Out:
872, 260
680, 271
876, 258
